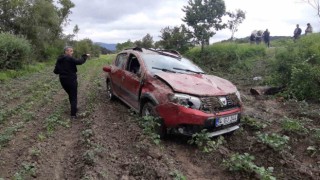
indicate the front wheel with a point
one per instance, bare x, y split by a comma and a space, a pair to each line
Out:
110, 95
148, 109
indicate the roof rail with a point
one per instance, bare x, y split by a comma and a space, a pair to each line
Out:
135, 48
170, 51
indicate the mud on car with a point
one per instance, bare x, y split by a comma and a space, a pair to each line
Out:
164, 84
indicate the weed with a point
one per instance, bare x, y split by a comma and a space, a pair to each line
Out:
8, 133
34, 152
316, 134
89, 157
87, 133
313, 150
293, 126
253, 123
245, 163
275, 141
177, 175
149, 125
27, 170
204, 142
41, 137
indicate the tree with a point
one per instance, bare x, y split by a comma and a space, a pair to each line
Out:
205, 17
315, 4
236, 18
122, 46
177, 38
147, 41
76, 30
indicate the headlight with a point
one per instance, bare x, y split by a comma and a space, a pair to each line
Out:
186, 100
238, 95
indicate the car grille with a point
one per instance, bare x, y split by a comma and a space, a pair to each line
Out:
213, 104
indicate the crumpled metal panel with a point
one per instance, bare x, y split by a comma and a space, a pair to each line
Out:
198, 84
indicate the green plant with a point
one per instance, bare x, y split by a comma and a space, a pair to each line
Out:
149, 125
177, 175
8, 133
293, 125
34, 152
89, 157
26, 171
275, 141
316, 134
204, 142
244, 162
313, 150
253, 123
14, 51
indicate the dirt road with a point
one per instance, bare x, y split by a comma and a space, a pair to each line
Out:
38, 141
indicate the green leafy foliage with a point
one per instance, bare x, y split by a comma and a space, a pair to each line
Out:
253, 123
177, 175
204, 142
297, 67
227, 57
244, 162
275, 141
149, 125
293, 125
14, 51
176, 38
204, 17
28, 170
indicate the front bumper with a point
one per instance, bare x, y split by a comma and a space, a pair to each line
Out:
191, 120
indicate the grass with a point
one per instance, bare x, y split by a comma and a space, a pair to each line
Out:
293, 125
6, 75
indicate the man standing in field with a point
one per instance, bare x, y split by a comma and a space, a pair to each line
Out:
297, 33
67, 70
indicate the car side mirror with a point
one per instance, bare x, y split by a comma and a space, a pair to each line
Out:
107, 68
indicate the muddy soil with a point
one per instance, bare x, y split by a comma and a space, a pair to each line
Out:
106, 141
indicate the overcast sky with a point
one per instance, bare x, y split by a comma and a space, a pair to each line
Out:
116, 21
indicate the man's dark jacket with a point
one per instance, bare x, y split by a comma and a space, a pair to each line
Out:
67, 66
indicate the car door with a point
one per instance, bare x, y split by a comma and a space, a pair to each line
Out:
117, 74
131, 82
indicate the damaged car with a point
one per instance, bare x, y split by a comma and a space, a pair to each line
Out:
164, 84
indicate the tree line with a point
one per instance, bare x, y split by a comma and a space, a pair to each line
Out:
33, 30
203, 19
39, 25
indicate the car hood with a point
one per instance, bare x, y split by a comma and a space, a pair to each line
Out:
198, 84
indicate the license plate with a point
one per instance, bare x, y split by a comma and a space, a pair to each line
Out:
226, 120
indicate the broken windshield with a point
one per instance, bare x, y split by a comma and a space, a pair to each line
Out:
182, 65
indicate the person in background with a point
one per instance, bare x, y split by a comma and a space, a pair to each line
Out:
297, 32
252, 38
66, 67
266, 37
308, 29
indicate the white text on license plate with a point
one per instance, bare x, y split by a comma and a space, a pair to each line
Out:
226, 120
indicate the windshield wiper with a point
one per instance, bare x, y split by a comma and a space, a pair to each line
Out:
164, 69
188, 70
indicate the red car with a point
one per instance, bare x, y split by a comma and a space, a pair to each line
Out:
164, 84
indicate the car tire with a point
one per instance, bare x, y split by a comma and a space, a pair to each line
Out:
110, 95
148, 110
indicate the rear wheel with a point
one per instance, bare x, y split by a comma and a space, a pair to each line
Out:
110, 95
148, 109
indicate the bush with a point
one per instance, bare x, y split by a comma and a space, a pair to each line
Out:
14, 51
225, 56
297, 67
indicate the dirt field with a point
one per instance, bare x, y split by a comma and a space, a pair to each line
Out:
38, 141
